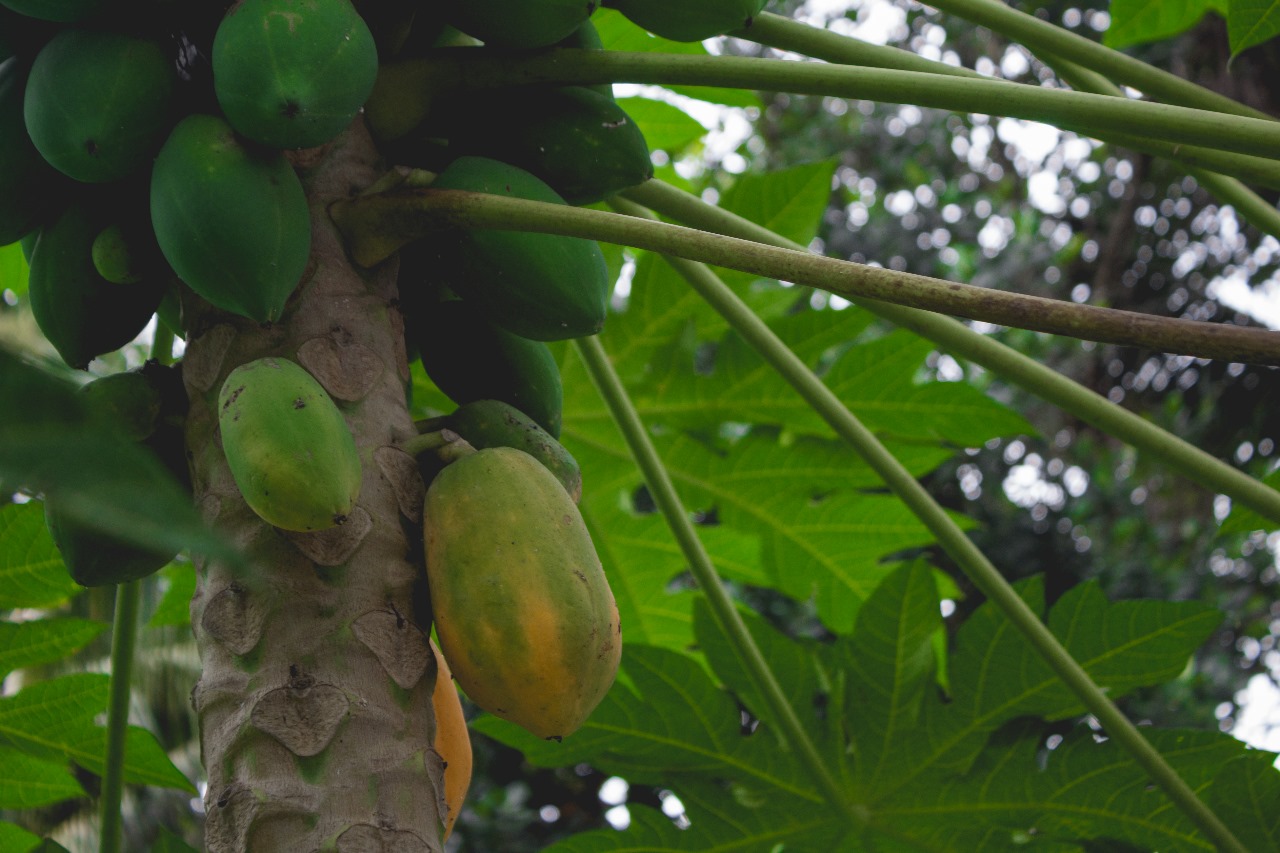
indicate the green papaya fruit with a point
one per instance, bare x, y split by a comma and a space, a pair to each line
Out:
493, 423
543, 287
680, 20
471, 359
98, 104
61, 11
231, 219
580, 142
523, 609
147, 405
293, 73
82, 314
30, 189
288, 446
519, 23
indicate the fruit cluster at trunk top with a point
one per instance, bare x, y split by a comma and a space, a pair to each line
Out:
147, 159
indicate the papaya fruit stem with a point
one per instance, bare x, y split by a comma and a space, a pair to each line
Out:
446, 444
430, 424
377, 226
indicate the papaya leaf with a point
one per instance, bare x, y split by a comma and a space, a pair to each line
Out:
889, 660
1251, 22
672, 719
31, 570
716, 823
996, 676
829, 548
1244, 794
56, 444
179, 580
801, 667
641, 560
875, 380
1140, 21
665, 127
29, 782
17, 839
24, 644
1086, 790
617, 33
54, 720
789, 202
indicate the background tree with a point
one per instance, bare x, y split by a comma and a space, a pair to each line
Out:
799, 527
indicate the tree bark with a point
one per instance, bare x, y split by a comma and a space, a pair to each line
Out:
315, 697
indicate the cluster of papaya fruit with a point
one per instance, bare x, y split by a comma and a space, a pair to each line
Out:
145, 157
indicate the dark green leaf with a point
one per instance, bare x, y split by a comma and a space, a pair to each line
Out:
55, 444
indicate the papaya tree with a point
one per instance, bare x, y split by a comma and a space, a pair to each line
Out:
463, 357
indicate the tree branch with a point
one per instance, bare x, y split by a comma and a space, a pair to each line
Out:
376, 226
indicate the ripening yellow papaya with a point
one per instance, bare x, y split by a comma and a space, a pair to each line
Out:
521, 604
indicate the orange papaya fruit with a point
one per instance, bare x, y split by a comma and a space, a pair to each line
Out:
452, 741
520, 601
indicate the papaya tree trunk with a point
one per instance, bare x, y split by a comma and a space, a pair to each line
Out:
315, 698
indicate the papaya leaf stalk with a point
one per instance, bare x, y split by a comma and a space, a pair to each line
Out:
377, 225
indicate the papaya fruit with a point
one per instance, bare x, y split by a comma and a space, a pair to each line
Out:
519, 23
288, 446
544, 287
97, 104
470, 359
146, 405
493, 423
293, 73
82, 314
580, 142
30, 189
521, 605
452, 741
231, 219
680, 20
